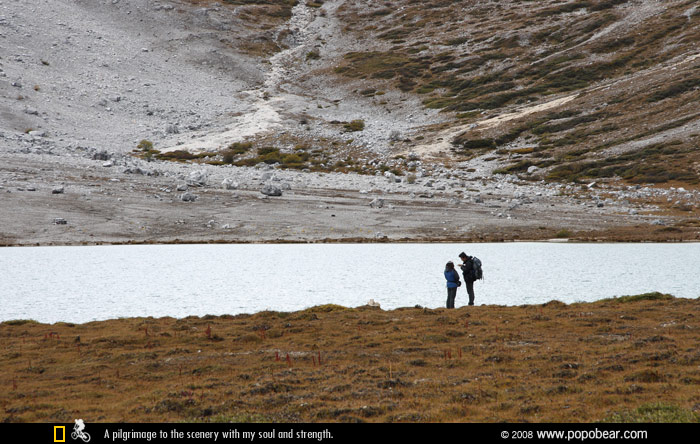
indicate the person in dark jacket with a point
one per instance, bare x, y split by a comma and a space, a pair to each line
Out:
453, 283
468, 274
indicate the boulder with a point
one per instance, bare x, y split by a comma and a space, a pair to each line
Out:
377, 203
229, 184
135, 170
188, 197
271, 190
101, 155
197, 178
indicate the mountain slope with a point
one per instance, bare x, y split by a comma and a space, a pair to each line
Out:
519, 119
627, 71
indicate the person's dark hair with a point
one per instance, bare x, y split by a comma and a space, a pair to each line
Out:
463, 254
450, 266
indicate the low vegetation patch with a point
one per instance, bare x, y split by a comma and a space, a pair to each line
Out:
675, 89
583, 362
655, 413
653, 296
656, 163
271, 9
355, 125
563, 234
300, 157
457, 81
18, 322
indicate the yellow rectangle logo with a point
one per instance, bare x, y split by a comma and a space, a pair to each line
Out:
56, 430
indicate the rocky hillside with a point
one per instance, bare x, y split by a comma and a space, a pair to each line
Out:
562, 90
468, 95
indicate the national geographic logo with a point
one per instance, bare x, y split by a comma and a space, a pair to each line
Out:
59, 433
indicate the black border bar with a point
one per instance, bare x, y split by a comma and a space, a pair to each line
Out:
334, 433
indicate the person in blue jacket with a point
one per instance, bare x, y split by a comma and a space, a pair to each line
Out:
453, 283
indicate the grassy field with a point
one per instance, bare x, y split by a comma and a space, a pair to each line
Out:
624, 359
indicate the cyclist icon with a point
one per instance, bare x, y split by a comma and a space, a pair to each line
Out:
78, 431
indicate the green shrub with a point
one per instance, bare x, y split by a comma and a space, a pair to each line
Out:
655, 413
675, 89
296, 161
653, 296
313, 55
563, 234
145, 145
472, 144
235, 149
16, 322
457, 41
177, 155
651, 164
327, 308
228, 157
355, 125
267, 150
240, 147
606, 4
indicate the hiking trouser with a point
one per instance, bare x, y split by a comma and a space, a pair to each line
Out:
451, 295
470, 291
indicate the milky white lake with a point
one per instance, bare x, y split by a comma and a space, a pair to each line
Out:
87, 283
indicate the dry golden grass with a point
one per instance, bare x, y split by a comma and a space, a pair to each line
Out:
553, 362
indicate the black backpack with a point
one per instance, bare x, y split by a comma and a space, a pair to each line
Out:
478, 272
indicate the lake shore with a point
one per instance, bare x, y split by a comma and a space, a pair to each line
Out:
86, 204
582, 362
